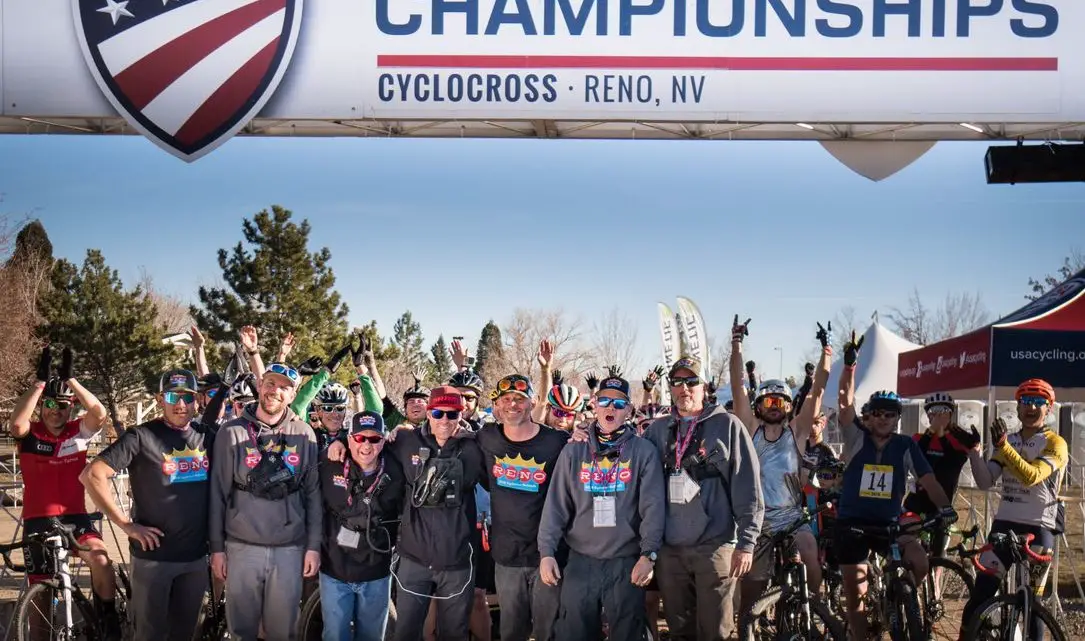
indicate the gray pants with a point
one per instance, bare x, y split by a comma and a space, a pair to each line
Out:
590, 587
527, 604
166, 598
263, 584
698, 596
452, 613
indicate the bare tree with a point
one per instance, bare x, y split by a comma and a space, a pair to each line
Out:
721, 360
171, 312
1073, 263
24, 275
960, 313
844, 323
528, 327
614, 342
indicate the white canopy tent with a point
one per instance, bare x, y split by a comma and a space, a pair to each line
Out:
877, 368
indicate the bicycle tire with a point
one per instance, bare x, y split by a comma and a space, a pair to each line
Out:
22, 613
1057, 633
905, 601
941, 613
208, 626
818, 610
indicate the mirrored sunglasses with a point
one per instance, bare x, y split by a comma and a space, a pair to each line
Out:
688, 381
450, 414
285, 370
333, 408
770, 402
617, 403
363, 438
173, 398
1034, 401
560, 413
54, 404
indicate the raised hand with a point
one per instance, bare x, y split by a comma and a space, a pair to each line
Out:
196, 335
249, 339
545, 355
67, 363
825, 336
739, 330
851, 349
337, 358
310, 366
652, 377
592, 381
998, 433
459, 354
45, 363
287, 347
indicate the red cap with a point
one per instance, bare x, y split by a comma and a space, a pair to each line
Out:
445, 397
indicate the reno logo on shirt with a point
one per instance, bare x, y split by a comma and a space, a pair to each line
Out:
186, 466
605, 476
524, 475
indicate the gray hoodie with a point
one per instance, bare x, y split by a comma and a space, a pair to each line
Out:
237, 515
634, 478
728, 508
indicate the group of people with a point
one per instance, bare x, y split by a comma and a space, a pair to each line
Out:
577, 511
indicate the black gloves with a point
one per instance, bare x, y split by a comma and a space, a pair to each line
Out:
311, 366
809, 369
825, 336
358, 355
45, 363
738, 331
592, 382
66, 364
851, 349
337, 358
652, 378
998, 433
949, 515
967, 439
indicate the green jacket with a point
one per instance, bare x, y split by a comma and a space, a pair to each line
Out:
308, 392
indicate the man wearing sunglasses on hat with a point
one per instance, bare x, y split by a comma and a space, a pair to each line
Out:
363, 496
168, 464
52, 453
879, 462
713, 507
607, 501
780, 439
265, 510
1031, 464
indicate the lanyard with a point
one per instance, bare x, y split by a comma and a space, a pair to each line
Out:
680, 448
350, 489
595, 469
252, 435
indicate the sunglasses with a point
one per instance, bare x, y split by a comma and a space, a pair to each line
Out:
53, 404
362, 438
688, 381
770, 402
285, 370
314, 418
211, 392
173, 398
617, 403
450, 414
469, 398
517, 383
1034, 401
561, 413
333, 408
884, 414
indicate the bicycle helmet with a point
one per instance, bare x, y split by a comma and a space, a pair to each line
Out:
773, 387
938, 400
57, 388
885, 400
332, 394
244, 388
565, 397
467, 379
1036, 387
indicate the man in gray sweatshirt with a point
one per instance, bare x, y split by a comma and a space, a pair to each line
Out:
265, 512
714, 508
607, 500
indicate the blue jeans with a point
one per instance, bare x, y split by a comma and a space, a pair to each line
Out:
365, 605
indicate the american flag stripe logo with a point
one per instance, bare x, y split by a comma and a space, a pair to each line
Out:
187, 71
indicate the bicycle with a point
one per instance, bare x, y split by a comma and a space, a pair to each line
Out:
311, 620
57, 595
946, 589
892, 600
211, 622
795, 615
1016, 611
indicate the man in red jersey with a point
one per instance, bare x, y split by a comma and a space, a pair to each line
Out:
52, 453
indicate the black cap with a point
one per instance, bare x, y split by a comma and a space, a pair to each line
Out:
616, 384
178, 380
367, 422
210, 380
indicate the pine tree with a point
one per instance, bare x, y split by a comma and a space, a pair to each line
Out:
119, 348
407, 336
490, 355
278, 287
442, 361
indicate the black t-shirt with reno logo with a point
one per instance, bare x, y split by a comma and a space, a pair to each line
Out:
520, 476
168, 472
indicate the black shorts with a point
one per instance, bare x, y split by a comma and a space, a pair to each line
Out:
852, 548
38, 564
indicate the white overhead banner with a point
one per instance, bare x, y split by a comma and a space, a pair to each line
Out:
191, 73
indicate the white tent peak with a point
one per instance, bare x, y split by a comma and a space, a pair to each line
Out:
877, 368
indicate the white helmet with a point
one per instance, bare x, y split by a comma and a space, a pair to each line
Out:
332, 394
939, 399
773, 387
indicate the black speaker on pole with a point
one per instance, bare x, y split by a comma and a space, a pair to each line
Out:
1045, 163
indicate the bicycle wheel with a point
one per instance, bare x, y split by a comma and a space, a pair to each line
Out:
211, 622
999, 618
942, 597
311, 621
905, 616
39, 615
771, 619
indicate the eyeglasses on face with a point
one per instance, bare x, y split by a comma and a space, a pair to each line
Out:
617, 403
333, 408
364, 438
1033, 401
770, 402
451, 415
688, 381
885, 414
560, 413
54, 404
172, 398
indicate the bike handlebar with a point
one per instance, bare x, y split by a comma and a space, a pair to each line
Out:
1003, 540
893, 530
56, 528
781, 536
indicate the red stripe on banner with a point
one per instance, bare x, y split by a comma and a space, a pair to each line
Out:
228, 98
719, 63
145, 79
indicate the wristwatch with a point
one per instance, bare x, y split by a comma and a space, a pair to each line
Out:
651, 556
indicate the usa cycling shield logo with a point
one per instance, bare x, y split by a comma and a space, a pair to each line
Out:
188, 74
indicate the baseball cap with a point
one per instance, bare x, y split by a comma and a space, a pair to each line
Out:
367, 422
285, 371
210, 380
687, 362
445, 397
178, 380
616, 384
514, 384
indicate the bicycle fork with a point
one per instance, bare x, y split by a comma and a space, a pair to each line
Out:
65, 586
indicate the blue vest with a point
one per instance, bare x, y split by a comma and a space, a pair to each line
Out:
863, 487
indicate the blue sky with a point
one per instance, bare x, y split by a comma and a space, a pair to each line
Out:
461, 231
